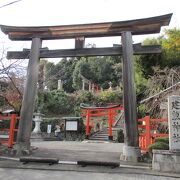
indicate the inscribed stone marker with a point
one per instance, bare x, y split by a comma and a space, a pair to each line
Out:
174, 122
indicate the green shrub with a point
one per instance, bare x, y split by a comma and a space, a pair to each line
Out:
162, 139
109, 97
84, 97
60, 103
157, 145
55, 102
120, 136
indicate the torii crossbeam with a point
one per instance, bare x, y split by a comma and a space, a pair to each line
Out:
79, 32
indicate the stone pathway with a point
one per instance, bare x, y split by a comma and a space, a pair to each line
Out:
74, 151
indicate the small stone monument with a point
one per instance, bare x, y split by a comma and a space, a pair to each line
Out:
110, 86
174, 123
36, 133
60, 84
169, 160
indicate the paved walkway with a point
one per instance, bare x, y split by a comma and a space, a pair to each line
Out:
74, 151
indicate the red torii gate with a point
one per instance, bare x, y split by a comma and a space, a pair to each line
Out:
109, 111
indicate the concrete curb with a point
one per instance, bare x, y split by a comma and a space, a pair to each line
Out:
123, 169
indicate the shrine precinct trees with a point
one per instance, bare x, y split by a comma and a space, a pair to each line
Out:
158, 72
170, 56
12, 76
99, 70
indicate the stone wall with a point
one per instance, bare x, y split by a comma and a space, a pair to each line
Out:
166, 161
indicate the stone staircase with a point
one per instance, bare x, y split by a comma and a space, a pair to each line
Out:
103, 135
100, 136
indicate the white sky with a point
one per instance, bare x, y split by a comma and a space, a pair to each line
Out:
59, 12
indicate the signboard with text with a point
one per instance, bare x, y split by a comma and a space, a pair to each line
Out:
174, 122
71, 125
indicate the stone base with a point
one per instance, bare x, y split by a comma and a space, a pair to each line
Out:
130, 153
22, 148
166, 161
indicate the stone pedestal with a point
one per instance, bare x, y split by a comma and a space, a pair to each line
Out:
166, 161
36, 133
130, 153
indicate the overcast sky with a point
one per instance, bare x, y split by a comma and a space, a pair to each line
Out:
59, 12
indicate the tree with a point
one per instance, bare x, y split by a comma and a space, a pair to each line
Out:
171, 46
99, 70
170, 43
62, 70
158, 72
12, 76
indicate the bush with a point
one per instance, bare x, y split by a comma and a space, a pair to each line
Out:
109, 97
120, 136
157, 145
55, 102
84, 97
162, 139
60, 103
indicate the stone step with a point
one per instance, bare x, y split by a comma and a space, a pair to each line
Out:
100, 135
100, 139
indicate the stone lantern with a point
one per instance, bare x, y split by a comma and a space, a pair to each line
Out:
36, 133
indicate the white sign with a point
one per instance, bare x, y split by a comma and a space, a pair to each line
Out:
71, 125
49, 128
174, 122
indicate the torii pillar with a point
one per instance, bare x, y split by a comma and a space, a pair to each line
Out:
131, 150
26, 115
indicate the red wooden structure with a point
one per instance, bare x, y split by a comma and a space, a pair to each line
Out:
150, 131
11, 130
110, 112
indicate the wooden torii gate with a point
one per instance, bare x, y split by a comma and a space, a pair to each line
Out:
125, 29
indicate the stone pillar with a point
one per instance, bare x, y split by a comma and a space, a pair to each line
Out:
174, 123
89, 86
83, 84
60, 84
28, 103
131, 150
110, 86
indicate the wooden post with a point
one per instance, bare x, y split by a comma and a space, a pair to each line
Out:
110, 124
11, 130
87, 123
25, 123
129, 95
79, 42
148, 132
